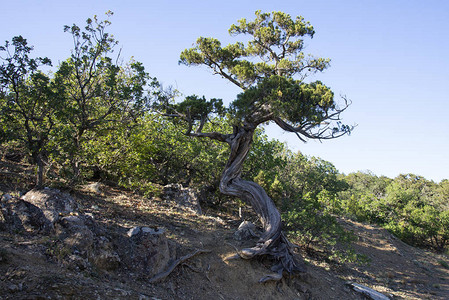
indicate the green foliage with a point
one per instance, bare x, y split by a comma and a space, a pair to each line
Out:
99, 95
316, 230
411, 207
306, 189
58, 117
199, 108
287, 99
363, 199
274, 48
27, 101
154, 151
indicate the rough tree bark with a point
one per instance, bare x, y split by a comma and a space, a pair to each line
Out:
272, 242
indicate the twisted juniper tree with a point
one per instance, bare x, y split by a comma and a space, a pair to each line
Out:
270, 69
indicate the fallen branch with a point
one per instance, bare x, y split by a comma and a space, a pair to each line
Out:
367, 292
161, 276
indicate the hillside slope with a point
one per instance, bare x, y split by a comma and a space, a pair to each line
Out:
29, 270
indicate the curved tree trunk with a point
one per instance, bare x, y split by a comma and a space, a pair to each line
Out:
272, 242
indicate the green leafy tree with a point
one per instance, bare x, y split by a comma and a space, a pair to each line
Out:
100, 93
306, 190
27, 101
156, 152
415, 214
270, 69
411, 207
364, 199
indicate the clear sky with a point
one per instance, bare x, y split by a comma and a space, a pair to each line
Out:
391, 58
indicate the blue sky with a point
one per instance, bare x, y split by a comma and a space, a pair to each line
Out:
391, 58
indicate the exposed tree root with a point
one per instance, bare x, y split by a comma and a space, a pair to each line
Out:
161, 276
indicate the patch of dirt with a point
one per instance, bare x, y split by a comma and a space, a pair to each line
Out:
396, 268
30, 269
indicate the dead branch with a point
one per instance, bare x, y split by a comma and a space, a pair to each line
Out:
161, 276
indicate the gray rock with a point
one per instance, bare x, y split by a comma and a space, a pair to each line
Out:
75, 234
246, 230
186, 198
52, 202
134, 231
148, 251
19, 215
149, 230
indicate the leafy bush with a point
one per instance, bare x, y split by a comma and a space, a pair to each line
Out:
306, 191
411, 207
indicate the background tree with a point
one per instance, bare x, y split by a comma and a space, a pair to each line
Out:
270, 69
411, 207
101, 93
364, 200
306, 189
27, 102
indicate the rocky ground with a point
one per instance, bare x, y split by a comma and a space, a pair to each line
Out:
109, 243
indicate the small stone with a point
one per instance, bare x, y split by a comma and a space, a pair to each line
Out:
94, 187
6, 197
134, 231
14, 288
246, 230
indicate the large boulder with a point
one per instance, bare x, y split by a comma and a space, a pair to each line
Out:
148, 251
52, 202
21, 216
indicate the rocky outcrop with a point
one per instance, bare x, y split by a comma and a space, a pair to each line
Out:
78, 241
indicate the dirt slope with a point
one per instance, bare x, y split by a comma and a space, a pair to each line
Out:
28, 270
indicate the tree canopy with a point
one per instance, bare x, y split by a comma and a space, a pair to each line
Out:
27, 100
90, 93
270, 69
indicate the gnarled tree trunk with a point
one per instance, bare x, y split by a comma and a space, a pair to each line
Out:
272, 242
